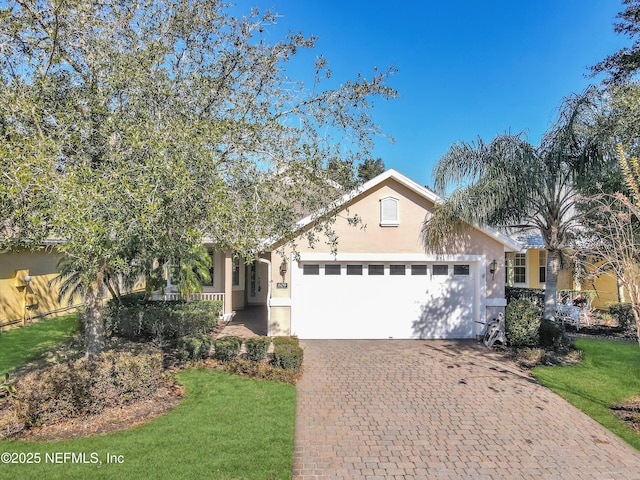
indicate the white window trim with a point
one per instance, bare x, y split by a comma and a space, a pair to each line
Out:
386, 222
526, 278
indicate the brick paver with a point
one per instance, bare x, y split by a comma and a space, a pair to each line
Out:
413, 409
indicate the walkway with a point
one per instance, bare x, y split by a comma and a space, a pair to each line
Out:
399, 409
248, 322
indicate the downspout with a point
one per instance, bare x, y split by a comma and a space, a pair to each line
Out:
269, 282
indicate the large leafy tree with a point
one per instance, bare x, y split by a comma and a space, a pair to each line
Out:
370, 168
133, 129
513, 185
623, 64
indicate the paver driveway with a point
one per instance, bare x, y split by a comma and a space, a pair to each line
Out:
440, 409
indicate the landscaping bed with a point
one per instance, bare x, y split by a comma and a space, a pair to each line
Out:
248, 424
61, 394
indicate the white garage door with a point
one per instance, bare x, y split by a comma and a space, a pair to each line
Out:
383, 300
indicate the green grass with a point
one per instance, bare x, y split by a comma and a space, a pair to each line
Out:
21, 345
226, 427
609, 374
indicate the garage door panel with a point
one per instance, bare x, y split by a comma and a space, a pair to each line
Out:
382, 306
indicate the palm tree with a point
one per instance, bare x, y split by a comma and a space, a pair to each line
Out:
514, 186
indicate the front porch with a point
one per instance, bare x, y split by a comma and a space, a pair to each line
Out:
248, 322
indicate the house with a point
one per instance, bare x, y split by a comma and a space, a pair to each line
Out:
26, 290
527, 269
379, 284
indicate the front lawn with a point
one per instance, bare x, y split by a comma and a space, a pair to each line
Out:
21, 345
609, 374
226, 427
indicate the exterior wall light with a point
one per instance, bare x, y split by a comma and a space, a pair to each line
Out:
493, 266
283, 269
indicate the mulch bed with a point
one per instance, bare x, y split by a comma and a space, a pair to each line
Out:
111, 419
629, 412
601, 331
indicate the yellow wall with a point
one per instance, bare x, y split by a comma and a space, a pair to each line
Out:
41, 294
533, 269
605, 285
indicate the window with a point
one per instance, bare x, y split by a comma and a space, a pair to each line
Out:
332, 269
542, 268
311, 269
461, 269
397, 269
376, 269
354, 269
235, 273
520, 268
389, 215
418, 269
441, 269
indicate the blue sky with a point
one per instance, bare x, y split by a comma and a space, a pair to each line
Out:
466, 68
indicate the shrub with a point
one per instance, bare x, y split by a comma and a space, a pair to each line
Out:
288, 356
530, 357
522, 323
227, 348
286, 341
261, 370
257, 348
194, 347
550, 334
86, 386
162, 322
623, 313
535, 295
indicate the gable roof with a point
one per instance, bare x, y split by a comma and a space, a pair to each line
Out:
508, 243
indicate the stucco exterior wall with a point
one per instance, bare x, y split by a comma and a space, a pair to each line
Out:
41, 294
372, 238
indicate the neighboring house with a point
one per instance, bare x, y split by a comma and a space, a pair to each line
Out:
26, 290
380, 284
527, 269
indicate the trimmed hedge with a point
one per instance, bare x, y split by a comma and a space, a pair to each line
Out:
257, 348
261, 370
288, 356
535, 295
522, 323
194, 347
162, 322
86, 386
227, 348
286, 341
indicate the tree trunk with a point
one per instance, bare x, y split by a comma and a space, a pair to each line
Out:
94, 324
551, 284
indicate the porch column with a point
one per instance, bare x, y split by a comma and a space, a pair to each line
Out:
228, 281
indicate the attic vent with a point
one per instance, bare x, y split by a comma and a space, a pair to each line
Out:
389, 215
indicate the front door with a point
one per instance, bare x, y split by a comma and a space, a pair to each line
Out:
257, 283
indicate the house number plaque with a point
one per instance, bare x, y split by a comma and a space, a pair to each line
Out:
282, 285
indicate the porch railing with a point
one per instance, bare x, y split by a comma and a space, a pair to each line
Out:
205, 296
